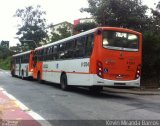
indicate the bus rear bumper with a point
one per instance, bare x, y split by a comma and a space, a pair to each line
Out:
97, 81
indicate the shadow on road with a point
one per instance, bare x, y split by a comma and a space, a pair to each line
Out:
85, 91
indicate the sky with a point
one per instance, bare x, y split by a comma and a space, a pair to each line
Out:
56, 11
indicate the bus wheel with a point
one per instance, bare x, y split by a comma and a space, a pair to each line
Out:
13, 73
95, 89
39, 78
63, 81
22, 75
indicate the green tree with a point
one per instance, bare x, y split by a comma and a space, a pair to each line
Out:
16, 49
84, 27
155, 19
61, 32
119, 13
4, 52
5, 44
151, 49
32, 27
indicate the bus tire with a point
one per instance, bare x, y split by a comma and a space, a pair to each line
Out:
39, 78
63, 81
95, 89
13, 73
22, 75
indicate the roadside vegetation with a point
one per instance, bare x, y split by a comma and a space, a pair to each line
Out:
5, 63
5, 57
130, 14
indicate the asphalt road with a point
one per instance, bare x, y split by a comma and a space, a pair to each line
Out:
53, 104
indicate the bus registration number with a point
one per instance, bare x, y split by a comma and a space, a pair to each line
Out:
84, 64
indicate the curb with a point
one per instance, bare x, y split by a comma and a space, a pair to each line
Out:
25, 111
131, 91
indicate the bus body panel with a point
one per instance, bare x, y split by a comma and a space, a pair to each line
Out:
97, 81
19, 66
22, 67
37, 69
77, 71
118, 67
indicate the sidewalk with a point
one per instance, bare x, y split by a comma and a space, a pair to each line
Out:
12, 113
136, 91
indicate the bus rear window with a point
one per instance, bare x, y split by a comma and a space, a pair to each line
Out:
120, 41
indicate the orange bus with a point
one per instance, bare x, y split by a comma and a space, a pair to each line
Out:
22, 64
104, 56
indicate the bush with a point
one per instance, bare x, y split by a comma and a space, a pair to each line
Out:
151, 58
5, 63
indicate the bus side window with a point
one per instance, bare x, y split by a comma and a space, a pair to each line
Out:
46, 54
70, 46
49, 53
38, 55
89, 44
35, 58
80, 47
55, 52
26, 60
42, 55
16, 60
62, 50
22, 57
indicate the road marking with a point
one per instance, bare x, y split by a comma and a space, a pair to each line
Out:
33, 114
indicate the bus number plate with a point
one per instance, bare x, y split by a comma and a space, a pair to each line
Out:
84, 64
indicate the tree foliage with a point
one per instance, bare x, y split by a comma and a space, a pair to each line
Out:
5, 63
4, 44
61, 32
151, 47
4, 52
32, 27
84, 27
119, 13
16, 49
155, 27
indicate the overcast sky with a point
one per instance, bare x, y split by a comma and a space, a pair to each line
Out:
57, 11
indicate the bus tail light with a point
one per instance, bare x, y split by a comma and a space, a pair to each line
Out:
100, 69
138, 72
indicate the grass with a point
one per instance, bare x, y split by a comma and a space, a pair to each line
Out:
5, 63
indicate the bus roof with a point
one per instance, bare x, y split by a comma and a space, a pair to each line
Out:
19, 54
87, 32
69, 38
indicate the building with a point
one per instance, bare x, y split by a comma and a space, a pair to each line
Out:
83, 20
62, 24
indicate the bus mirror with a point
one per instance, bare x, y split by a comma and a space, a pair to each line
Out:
99, 32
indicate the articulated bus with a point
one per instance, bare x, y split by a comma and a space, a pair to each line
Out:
22, 64
104, 56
